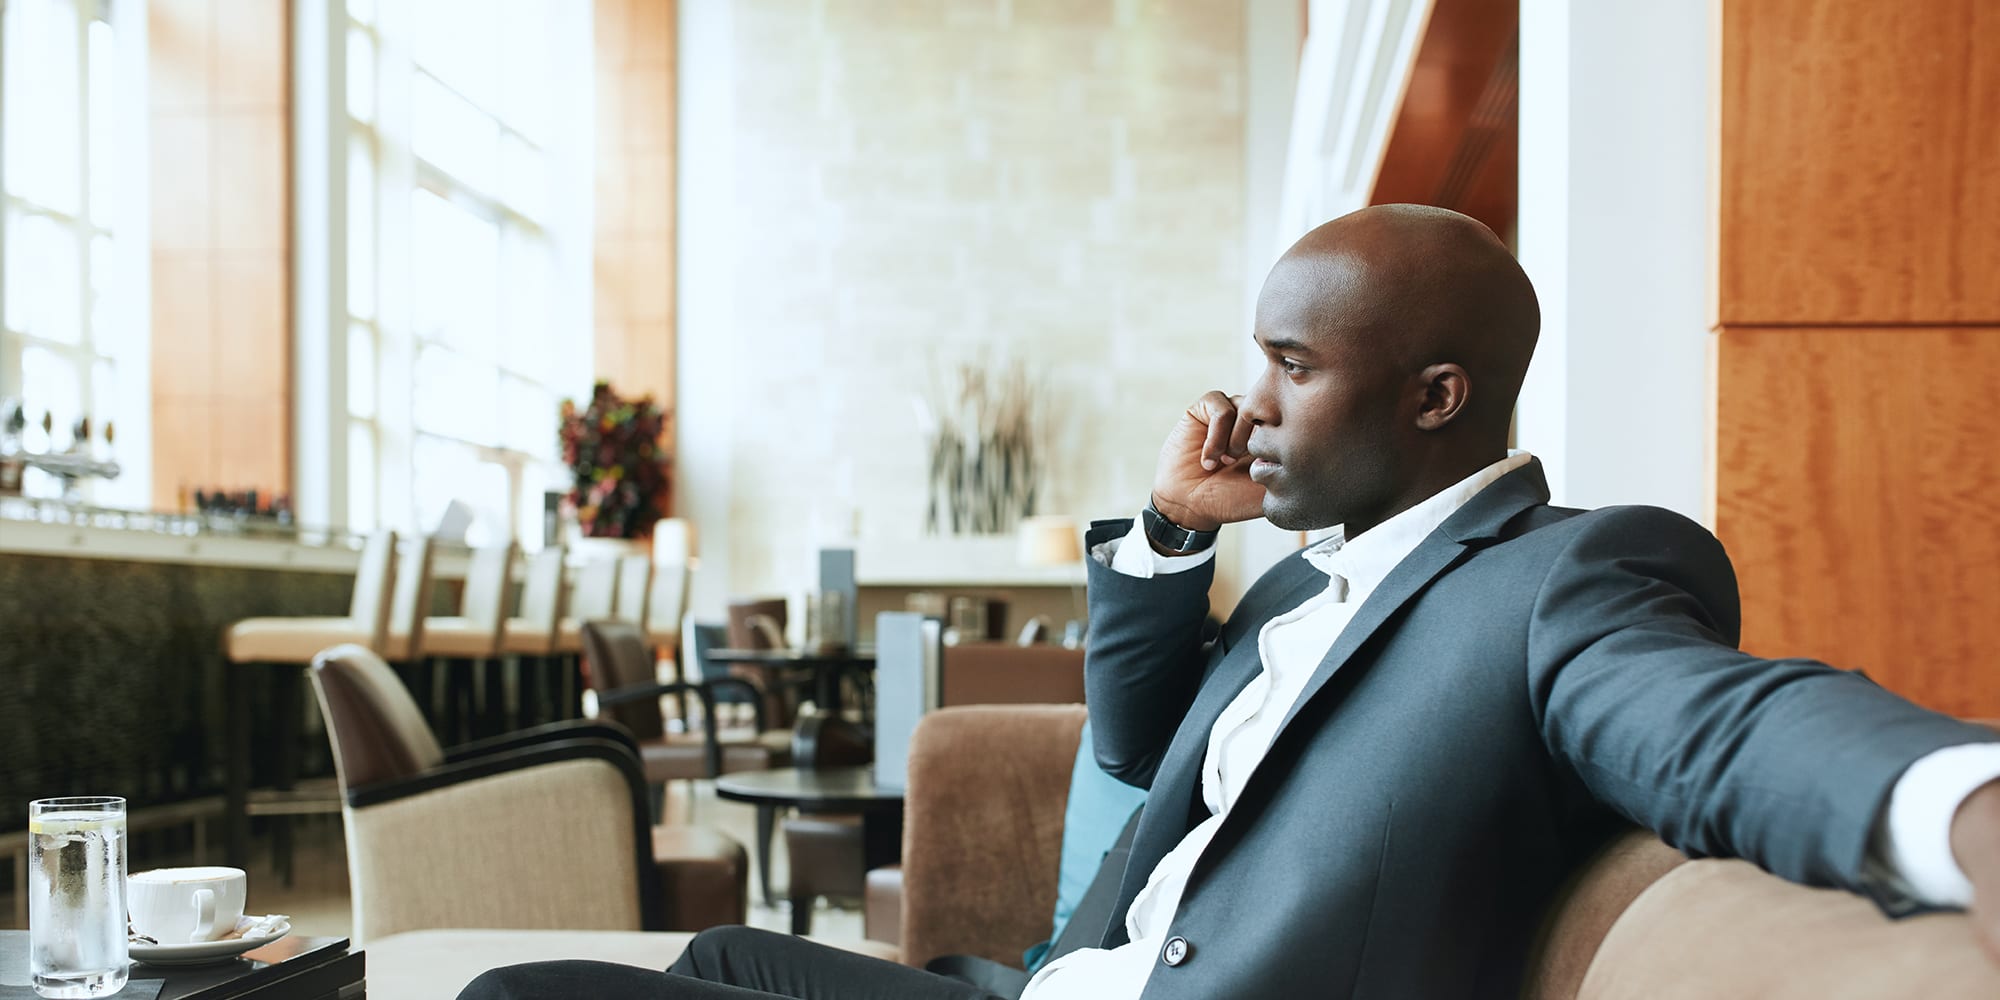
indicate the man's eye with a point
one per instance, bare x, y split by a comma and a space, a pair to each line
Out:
1290, 367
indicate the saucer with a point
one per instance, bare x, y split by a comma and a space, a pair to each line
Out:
204, 952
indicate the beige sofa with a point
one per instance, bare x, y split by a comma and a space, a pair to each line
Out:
984, 832
988, 786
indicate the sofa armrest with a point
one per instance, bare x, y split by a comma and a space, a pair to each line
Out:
982, 833
1715, 928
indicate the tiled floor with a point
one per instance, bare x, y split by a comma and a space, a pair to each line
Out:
317, 900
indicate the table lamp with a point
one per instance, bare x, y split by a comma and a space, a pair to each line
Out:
1053, 540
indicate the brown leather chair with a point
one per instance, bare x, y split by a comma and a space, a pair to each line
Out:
546, 828
760, 624
625, 676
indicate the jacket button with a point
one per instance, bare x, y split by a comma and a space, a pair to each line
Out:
1176, 951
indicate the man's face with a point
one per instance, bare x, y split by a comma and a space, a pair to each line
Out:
1325, 445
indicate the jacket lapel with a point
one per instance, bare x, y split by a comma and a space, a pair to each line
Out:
1481, 518
1177, 783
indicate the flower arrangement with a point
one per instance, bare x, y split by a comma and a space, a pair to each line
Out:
622, 473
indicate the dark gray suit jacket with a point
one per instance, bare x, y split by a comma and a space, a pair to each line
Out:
1525, 683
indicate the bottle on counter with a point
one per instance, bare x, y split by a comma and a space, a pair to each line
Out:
13, 424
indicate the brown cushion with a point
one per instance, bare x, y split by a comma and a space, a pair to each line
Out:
1713, 929
1587, 908
704, 877
681, 757
882, 905
289, 640
527, 638
460, 637
825, 853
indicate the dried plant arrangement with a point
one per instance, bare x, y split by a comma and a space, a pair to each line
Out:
986, 430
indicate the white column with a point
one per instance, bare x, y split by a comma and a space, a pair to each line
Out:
706, 284
319, 262
1614, 231
1272, 33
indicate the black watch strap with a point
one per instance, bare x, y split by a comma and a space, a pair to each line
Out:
1172, 537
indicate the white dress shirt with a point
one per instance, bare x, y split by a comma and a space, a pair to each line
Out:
1911, 847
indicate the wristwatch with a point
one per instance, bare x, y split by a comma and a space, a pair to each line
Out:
1172, 537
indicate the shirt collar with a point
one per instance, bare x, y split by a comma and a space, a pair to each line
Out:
1364, 561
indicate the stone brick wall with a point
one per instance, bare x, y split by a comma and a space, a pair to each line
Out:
920, 182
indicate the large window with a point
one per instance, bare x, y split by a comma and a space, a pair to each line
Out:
72, 343
463, 333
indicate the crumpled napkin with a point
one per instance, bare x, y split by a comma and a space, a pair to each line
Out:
246, 927
256, 927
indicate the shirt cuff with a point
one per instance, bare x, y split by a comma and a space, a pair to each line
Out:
1133, 555
1913, 837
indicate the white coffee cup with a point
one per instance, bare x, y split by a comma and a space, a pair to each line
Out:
185, 905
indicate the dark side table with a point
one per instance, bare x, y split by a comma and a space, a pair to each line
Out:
827, 790
290, 968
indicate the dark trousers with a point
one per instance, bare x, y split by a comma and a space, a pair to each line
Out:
729, 963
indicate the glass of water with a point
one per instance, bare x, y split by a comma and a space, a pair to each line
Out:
76, 896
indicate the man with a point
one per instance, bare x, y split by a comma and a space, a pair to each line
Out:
1373, 781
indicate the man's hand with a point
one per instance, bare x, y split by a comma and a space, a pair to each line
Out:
1975, 843
1202, 481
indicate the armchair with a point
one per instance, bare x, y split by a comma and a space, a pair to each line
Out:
548, 828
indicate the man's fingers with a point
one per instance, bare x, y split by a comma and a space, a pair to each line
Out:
1239, 436
1219, 413
1215, 448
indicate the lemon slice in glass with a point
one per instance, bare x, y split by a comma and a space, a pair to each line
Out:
58, 823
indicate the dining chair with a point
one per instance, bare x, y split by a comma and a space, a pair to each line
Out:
532, 634
665, 609
593, 596
635, 588
469, 644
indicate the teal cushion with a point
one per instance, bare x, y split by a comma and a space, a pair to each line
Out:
1099, 807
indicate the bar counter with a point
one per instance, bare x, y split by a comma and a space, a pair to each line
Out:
111, 629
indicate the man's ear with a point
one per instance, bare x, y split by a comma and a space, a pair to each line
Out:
1446, 389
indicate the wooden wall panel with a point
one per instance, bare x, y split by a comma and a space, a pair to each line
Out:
1859, 162
1858, 491
634, 251
219, 112
1455, 140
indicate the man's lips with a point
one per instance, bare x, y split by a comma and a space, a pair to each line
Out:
1261, 466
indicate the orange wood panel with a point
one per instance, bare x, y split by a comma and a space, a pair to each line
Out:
1858, 491
1859, 162
1454, 142
221, 242
634, 252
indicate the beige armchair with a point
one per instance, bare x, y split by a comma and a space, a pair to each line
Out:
548, 828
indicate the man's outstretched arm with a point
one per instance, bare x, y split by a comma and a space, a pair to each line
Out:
1788, 763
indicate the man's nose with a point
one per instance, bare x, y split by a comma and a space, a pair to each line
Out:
1257, 403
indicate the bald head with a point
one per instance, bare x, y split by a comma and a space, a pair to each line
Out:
1398, 337
1415, 286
